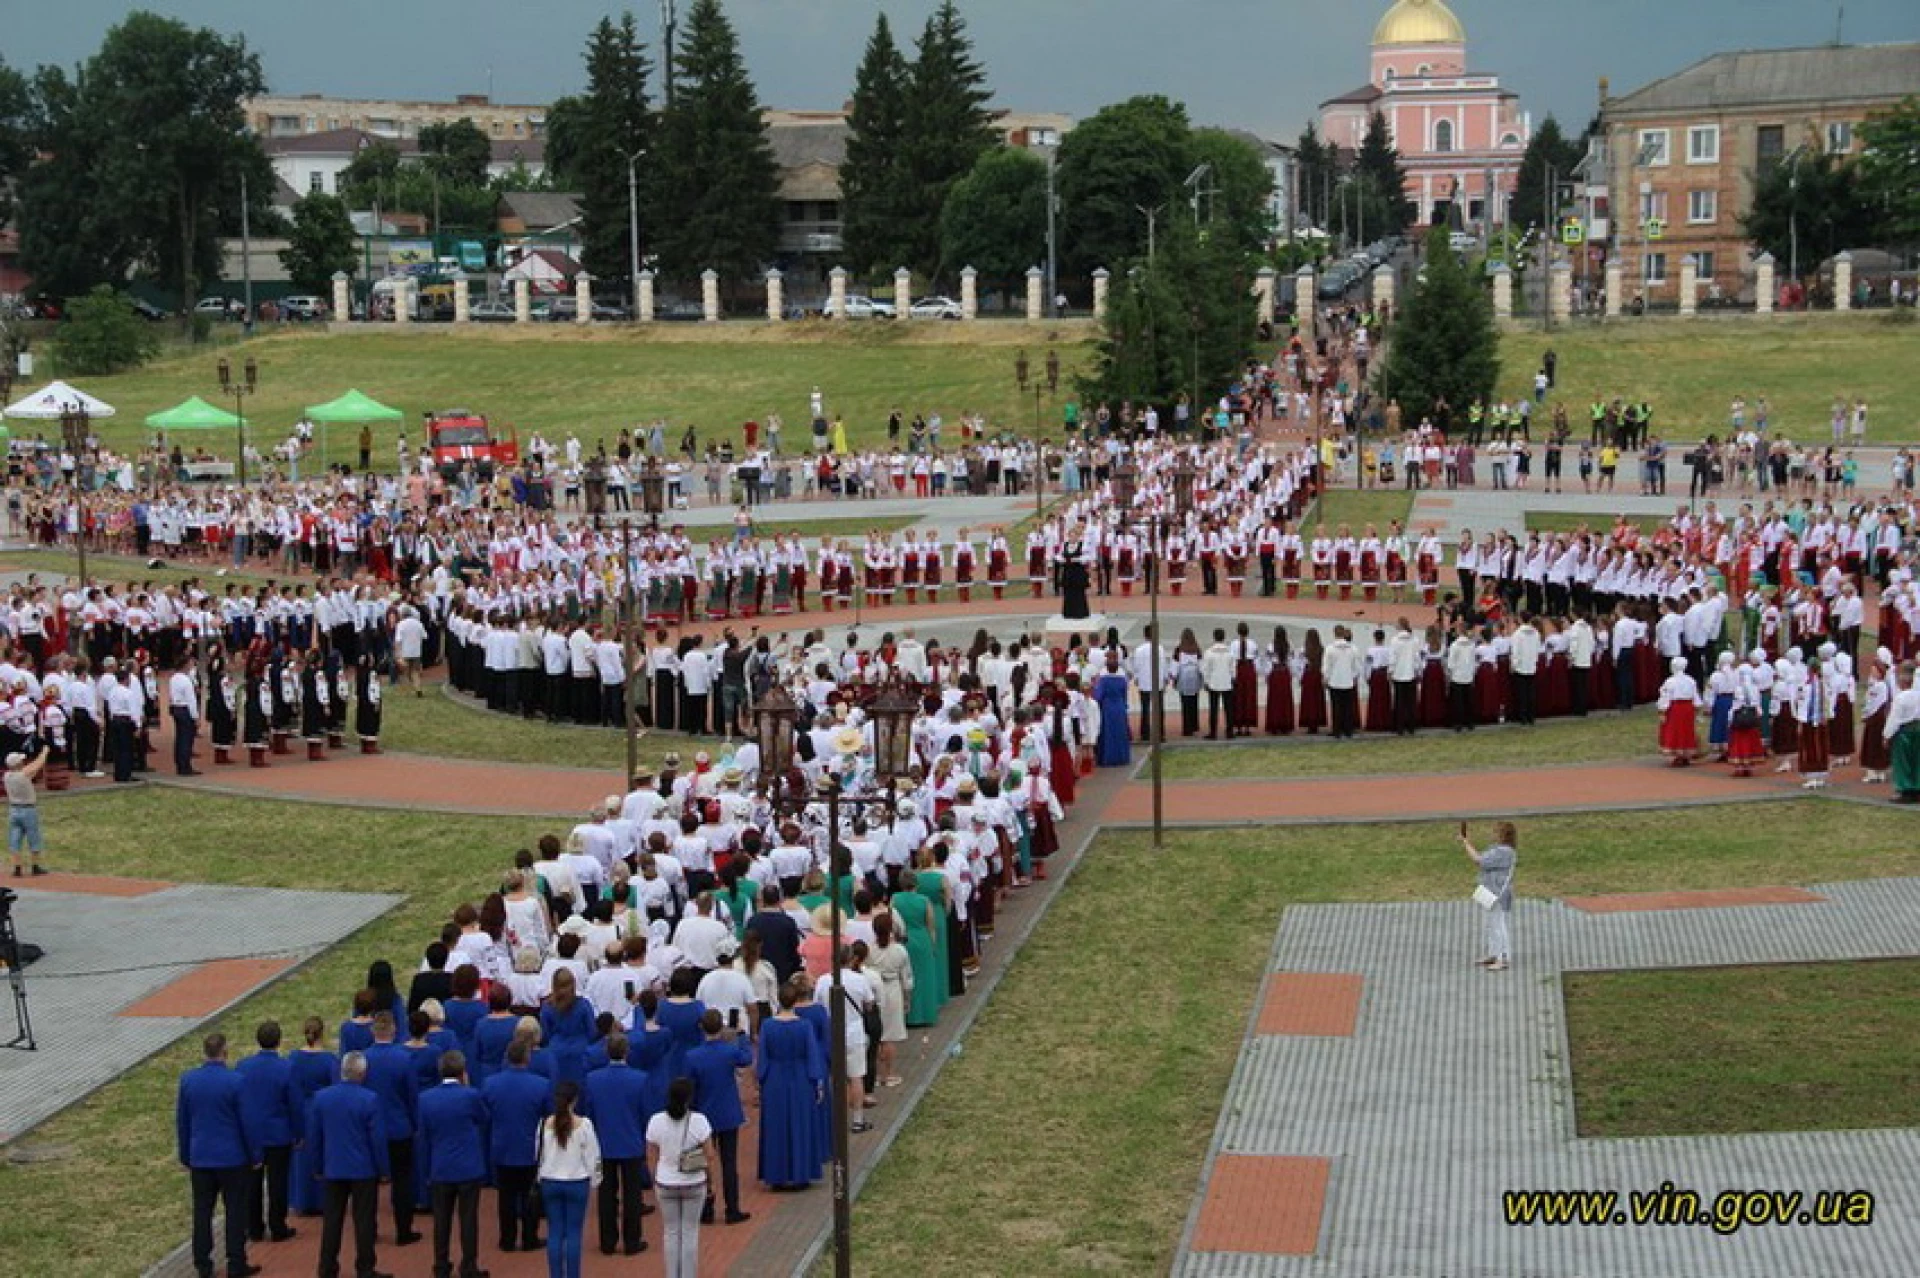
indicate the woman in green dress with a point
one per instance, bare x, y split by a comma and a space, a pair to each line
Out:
924, 928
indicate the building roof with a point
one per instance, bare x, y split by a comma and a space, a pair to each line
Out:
351, 141
1775, 77
541, 210
1365, 95
1419, 22
797, 145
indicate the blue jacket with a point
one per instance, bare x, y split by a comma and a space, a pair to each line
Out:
615, 1099
716, 1089
517, 1099
391, 1077
345, 1137
453, 1134
463, 1014
267, 1099
491, 1034
209, 1119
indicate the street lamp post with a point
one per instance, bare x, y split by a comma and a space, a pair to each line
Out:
892, 714
1158, 525
633, 225
240, 387
73, 427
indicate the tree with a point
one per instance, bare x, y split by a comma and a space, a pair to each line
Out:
103, 334
1443, 343
1807, 208
1125, 156
1317, 164
1182, 324
720, 208
874, 209
16, 106
995, 218
372, 177
144, 152
596, 132
1890, 171
320, 242
457, 152
1240, 203
1384, 181
1549, 148
947, 127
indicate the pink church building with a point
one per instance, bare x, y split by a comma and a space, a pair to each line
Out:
1459, 134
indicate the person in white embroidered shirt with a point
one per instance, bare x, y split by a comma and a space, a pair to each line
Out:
183, 701
596, 840
699, 935
1342, 666
1523, 665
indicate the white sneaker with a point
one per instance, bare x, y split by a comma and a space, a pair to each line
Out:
95, 775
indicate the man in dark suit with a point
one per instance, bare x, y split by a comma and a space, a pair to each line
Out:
779, 934
434, 982
517, 1099
349, 1154
266, 1102
716, 1095
391, 1077
452, 1147
614, 1099
219, 1153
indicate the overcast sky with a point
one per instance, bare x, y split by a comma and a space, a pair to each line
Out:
1258, 64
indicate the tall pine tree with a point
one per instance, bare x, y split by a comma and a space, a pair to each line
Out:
719, 206
1443, 342
1549, 148
1379, 164
596, 132
1316, 164
948, 126
874, 211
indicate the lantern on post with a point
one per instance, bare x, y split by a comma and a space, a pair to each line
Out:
892, 712
653, 491
1183, 477
773, 720
1125, 479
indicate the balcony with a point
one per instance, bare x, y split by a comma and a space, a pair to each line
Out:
810, 237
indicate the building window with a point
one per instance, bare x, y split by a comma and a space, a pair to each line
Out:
1703, 144
796, 210
1423, 70
1653, 147
316, 183
1442, 136
1840, 137
519, 129
1653, 206
1654, 268
1510, 141
1702, 265
1769, 144
1703, 206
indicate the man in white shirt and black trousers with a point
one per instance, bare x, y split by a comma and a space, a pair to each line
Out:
184, 703
1341, 667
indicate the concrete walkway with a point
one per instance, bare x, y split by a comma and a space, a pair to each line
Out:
1389, 1092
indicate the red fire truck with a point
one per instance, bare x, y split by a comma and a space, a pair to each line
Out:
457, 437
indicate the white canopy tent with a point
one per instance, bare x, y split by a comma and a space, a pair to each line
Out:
54, 401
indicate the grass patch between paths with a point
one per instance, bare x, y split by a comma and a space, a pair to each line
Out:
1598, 523
1091, 1084
1356, 508
1773, 1048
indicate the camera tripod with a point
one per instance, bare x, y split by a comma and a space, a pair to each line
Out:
10, 957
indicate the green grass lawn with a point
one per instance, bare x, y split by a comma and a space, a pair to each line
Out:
1690, 370
556, 379
1780, 1048
437, 724
59, 565
111, 1158
1576, 520
1601, 737
1358, 507
1090, 1087
814, 529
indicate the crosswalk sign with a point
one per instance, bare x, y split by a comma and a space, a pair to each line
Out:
1656, 227
1571, 232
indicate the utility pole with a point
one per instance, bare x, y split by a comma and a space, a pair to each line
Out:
633, 225
246, 253
1053, 208
1547, 234
668, 20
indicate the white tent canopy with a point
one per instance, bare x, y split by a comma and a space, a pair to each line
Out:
55, 400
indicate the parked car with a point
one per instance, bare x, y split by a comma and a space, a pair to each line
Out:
221, 308
935, 308
491, 312
860, 306
564, 310
679, 310
148, 311
303, 306
1461, 242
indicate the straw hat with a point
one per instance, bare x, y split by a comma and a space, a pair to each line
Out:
848, 741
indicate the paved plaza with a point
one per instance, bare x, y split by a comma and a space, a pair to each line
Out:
100, 1005
1389, 1092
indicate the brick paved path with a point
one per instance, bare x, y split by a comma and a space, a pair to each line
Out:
1453, 1086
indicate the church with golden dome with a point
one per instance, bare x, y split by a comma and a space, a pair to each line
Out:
1460, 135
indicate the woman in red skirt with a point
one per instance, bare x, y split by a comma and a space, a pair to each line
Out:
1313, 687
1679, 724
1815, 758
1280, 686
1433, 682
1876, 699
1246, 683
1745, 747
1379, 687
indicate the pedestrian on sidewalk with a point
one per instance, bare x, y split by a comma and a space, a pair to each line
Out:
23, 810
1494, 893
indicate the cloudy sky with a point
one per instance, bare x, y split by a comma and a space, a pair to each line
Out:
1259, 64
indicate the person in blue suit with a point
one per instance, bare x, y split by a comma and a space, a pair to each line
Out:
453, 1157
615, 1099
714, 1068
391, 1077
517, 1099
567, 1028
348, 1145
491, 1034
219, 1153
792, 1070
310, 1070
466, 1008
268, 1103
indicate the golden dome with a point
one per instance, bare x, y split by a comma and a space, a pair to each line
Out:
1419, 22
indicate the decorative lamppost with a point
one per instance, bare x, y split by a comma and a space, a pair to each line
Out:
653, 492
240, 387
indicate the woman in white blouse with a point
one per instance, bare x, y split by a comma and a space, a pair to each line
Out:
681, 1142
569, 1167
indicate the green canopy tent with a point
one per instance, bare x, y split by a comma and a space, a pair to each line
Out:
195, 414
354, 406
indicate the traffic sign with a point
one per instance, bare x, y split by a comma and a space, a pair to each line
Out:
1656, 227
1572, 232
